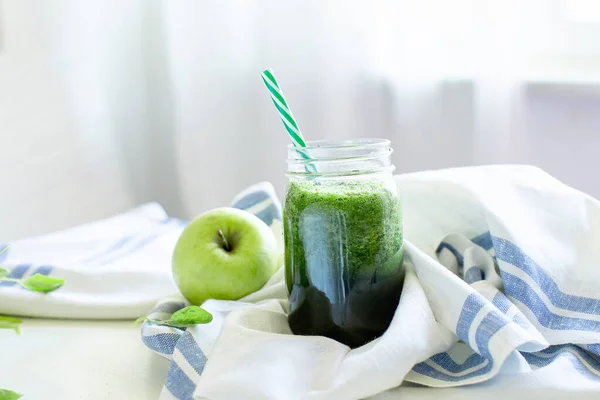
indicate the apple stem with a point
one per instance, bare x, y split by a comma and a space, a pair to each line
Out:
225, 242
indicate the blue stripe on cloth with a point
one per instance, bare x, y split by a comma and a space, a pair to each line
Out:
175, 221
179, 384
3, 251
547, 356
542, 362
571, 347
445, 245
446, 362
503, 304
251, 199
163, 343
473, 274
133, 249
191, 352
142, 244
512, 254
427, 370
269, 214
522, 322
484, 240
108, 255
17, 272
43, 270
594, 348
488, 327
116, 246
472, 305
521, 291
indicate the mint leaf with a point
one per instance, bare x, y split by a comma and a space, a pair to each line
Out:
42, 283
184, 318
13, 326
37, 283
10, 323
4, 318
192, 315
9, 395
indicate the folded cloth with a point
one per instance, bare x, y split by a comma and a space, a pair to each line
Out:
115, 268
502, 281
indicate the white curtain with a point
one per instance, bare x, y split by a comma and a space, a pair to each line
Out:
139, 100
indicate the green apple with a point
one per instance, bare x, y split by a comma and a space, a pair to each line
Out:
224, 254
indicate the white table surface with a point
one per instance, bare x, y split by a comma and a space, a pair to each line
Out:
96, 360
79, 360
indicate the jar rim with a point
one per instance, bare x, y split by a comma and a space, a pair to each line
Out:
340, 157
344, 143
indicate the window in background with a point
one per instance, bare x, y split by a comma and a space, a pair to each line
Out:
111, 103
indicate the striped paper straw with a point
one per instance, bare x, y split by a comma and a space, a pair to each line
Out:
286, 115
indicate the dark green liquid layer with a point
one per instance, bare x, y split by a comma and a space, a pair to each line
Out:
343, 259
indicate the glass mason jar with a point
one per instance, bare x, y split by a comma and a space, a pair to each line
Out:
343, 239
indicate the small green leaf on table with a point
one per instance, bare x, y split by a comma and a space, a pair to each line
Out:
14, 327
184, 318
10, 323
42, 283
5, 318
9, 395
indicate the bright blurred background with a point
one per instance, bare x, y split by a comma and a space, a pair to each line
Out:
108, 104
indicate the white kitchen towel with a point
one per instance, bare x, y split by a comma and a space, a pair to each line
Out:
117, 268
503, 282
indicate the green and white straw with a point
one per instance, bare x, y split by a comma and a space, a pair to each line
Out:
286, 115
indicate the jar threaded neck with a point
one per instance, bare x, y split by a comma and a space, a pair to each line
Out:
340, 158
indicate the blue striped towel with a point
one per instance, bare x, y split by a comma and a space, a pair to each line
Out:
117, 268
503, 282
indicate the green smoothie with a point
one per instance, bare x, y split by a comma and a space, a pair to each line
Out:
343, 258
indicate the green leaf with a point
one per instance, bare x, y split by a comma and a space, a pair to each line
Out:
7, 322
184, 318
14, 326
5, 318
9, 395
42, 283
192, 315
